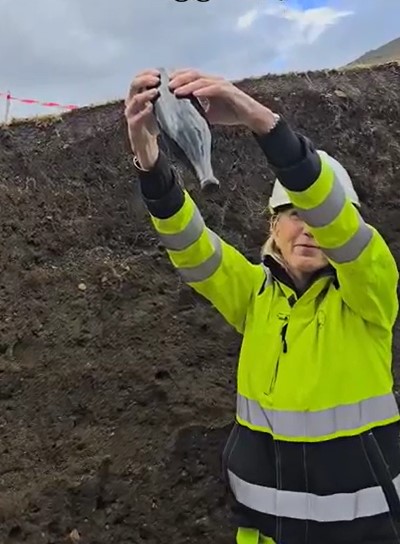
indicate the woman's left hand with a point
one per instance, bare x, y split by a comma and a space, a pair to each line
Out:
224, 103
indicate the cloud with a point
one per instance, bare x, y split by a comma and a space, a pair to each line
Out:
75, 51
246, 20
371, 25
301, 25
311, 23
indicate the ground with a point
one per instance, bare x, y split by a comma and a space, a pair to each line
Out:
116, 381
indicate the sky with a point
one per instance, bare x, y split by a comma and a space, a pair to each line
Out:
85, 52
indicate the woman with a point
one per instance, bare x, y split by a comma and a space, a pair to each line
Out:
314, 455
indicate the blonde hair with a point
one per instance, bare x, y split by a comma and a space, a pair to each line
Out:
270, 246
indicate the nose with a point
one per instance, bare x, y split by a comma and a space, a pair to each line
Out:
306, 231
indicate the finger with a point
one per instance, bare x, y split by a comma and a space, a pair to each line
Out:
194, 86
184, 71
213, 90
183, 77
180, 81
147, 110
136, 122
191, 74
141, 82
139, 101
149, 71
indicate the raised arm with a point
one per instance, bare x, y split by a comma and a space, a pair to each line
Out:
205, 262
366, 269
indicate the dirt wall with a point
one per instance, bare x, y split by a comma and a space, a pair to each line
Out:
116, 382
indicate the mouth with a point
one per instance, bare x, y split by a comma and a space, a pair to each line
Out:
306, 245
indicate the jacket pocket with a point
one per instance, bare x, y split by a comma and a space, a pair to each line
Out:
382, 473
228, 450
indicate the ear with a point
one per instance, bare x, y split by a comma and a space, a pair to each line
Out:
274, 224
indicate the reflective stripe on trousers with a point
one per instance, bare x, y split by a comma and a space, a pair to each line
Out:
308, 506
251, 536
321, 423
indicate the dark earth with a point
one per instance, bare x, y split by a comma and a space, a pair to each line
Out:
117, 382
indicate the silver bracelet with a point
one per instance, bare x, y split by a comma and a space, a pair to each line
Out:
138, 165
277, 118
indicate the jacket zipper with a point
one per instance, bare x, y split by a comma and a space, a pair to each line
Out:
284, 349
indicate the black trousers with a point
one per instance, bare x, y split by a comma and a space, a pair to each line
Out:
343, 465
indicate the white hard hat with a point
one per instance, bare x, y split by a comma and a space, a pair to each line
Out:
279, 196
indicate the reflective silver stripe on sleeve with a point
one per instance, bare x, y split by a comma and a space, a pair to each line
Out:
320, 423
206, 269
366, 502
188, 236
328, 210
352, 248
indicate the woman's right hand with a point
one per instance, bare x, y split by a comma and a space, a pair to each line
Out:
143, 130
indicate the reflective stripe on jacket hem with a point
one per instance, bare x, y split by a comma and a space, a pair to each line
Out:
317, 424
308, 506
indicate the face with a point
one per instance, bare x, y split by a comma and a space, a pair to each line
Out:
297, 245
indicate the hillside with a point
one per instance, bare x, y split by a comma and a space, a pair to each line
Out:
390, 52
116, 382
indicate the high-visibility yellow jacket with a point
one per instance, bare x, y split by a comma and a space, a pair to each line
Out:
311, 367
316, 414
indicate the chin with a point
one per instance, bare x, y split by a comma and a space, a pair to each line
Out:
308, 264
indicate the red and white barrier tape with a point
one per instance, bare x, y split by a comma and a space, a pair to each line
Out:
8, 96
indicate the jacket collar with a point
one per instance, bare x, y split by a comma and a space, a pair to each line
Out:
280, 274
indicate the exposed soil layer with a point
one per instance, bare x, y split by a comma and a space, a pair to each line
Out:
117, 382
